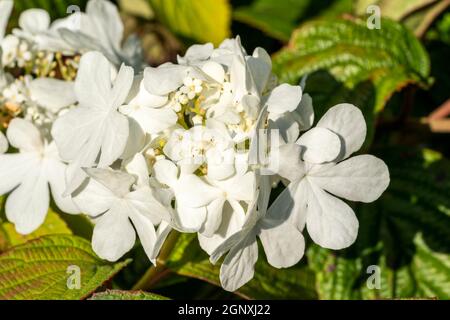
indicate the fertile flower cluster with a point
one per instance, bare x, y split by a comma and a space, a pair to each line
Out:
195, 146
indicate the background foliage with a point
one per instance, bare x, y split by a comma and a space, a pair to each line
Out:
397, 75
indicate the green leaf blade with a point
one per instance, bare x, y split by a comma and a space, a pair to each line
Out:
38, 269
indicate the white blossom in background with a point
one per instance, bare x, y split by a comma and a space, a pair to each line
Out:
194, 146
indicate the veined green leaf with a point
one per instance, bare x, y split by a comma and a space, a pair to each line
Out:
189, 260
390, 58
53, 224
199, 20
43, 268
126, 295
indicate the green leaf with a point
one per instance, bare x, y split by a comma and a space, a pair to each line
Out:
418, 15
279, 18
40, 269
390, 57
189, 260
395, 10
126, 295
53, 224
276, 18
406, 233
198, 20
56, 8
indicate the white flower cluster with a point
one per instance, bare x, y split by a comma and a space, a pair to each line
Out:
195, 146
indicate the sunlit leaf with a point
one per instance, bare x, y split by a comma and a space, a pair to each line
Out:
41, 269
199, 20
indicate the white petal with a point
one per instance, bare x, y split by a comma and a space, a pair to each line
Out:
197, 52
214, 70
290, 165
238, 267
23, 135
52, 94
144, 201
151, 120
121, 87
94, 199
6, 7
283, 243
93, 83
72, 132
305, 113
114, 138
138, 166
117, 181
136, 140
113, 234
189, 219
146, 232
34, 20
287, 125
161, 234
214, 217
56, 175
241, 188
284, 98
362, 178
107, 21
260, 65
3, 143
320, 145
13, 168
164, 79
232, 219
27, 205
347, 121
166, 172
331, 223
193, 192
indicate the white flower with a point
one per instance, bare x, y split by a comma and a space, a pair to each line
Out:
31, 23
101, 29
3, 143
148, 110
120, 201
95, 133
28, 175
192, 195
202, 145
226, 214
283, 243
9, 46
52, 94
290, 110
6, 7
316, 168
